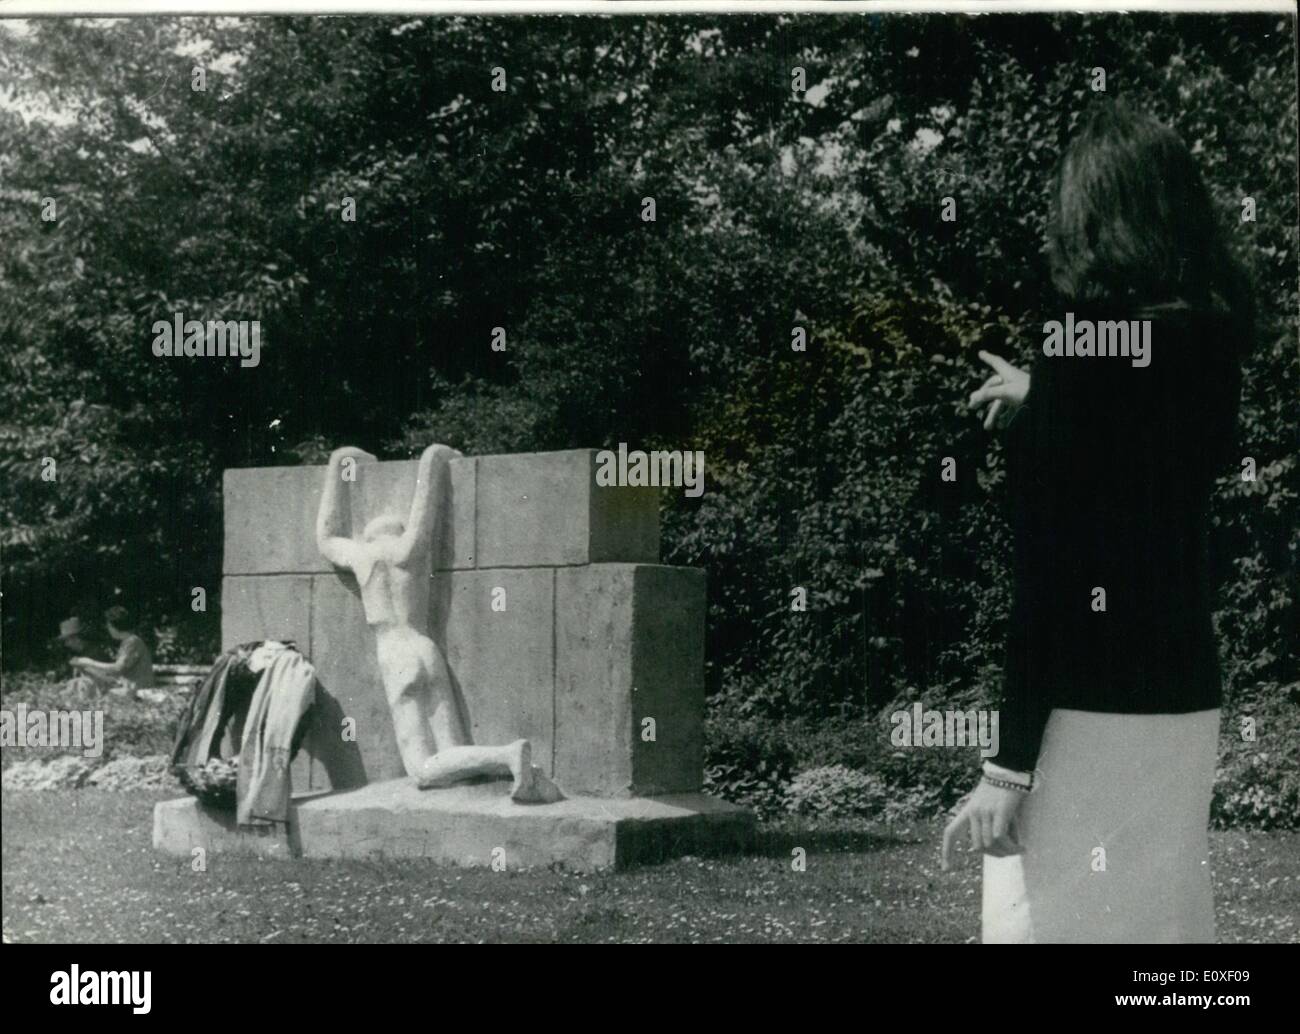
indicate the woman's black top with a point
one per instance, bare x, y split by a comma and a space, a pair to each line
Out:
1110, 469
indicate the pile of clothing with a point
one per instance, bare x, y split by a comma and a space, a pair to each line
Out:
242, 727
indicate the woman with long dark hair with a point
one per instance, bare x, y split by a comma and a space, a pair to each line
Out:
1093, 816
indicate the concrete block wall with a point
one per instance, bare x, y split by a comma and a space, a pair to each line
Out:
596, 635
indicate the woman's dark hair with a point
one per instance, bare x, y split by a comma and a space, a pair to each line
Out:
1132, 224
120, 617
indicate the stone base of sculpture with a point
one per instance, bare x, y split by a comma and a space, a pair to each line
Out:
471, 825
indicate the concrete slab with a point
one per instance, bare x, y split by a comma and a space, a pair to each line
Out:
270, 514
266, 607
593, 680
526, 510
183, 826
668, 679
502, 661
270, 520
453, 535
545, 509
469, 825
623, 523
388, 487
629, 646
347, 668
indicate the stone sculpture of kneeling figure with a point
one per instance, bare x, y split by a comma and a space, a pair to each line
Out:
390, 561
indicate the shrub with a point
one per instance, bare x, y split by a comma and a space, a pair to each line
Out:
835, 791
746, 760
752, 750
132, 728
60, 773
1258, 783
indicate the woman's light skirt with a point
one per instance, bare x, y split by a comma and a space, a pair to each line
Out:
1114, 836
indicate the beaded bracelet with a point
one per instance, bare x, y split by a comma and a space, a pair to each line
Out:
1007, 784
995, 771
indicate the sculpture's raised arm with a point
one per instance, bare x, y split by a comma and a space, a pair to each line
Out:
333, 526
431, 482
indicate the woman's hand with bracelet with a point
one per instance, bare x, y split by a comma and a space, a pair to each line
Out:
990, 814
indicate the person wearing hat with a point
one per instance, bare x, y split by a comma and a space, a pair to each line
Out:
132, 668
74, 638
71, 636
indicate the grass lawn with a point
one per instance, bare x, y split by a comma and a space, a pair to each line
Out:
78, 866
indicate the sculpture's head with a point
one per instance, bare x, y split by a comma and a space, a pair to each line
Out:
383, 526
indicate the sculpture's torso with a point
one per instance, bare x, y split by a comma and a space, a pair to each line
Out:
391, 593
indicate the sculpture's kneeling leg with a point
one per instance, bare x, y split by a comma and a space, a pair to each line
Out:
455, 764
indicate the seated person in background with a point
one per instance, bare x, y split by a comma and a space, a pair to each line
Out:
131, 669
73, 638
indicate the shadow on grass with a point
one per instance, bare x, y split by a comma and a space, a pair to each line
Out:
772, 840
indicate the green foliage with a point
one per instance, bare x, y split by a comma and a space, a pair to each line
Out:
132, 728
754, 747
521, 210
746, 761
825, 466
1258, 781
848, 767
835, 791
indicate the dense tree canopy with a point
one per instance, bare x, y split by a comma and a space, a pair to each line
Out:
521, 209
